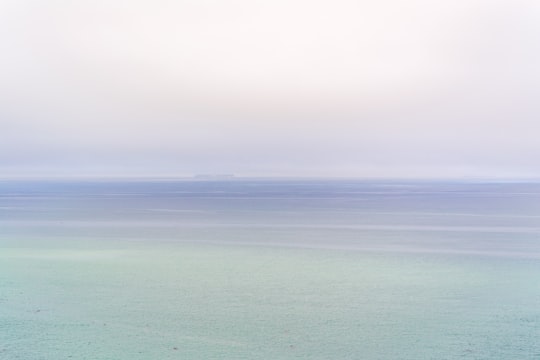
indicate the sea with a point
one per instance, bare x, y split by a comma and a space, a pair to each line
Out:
269, 269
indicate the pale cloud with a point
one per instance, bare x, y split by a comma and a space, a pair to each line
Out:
360, 88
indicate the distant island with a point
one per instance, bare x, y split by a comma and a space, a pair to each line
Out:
214, 176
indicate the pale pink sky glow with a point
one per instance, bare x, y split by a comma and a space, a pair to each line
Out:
282, 88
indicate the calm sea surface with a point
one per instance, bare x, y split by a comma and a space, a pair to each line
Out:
129, 270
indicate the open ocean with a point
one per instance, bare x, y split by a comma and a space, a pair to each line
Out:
273, 270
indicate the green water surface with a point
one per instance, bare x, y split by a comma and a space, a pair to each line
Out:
104, 300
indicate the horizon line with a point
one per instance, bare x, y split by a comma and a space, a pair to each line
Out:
233, 178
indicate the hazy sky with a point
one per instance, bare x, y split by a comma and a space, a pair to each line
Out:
283, 87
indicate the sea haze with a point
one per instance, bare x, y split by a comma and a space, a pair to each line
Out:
268, 269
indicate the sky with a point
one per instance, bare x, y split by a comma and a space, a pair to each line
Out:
332, 88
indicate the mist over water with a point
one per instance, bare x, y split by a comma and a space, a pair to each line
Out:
254, 267
261, 269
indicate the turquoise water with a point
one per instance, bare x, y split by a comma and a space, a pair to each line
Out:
269, 270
